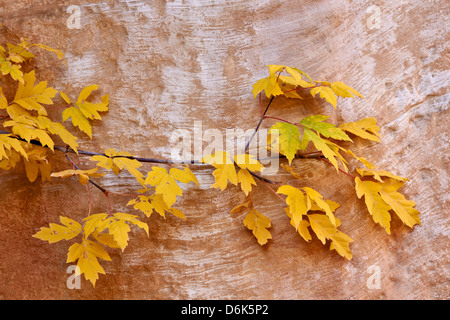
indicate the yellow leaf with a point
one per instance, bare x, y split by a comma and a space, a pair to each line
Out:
258, 224
165, 183
58, 53
365, 128
318, 199
269, 85
93, 222
119, 229
13, 70
87, 253
331, 204
225, 170
36, 163
275, 68
184, 176
319, 144
56, 232
377, 174
86, 92
131, 165
302, 227
326, 230
291, 171
240, 207
78, 120
378, 208
106, 239
3, 101
296, 201
32, 97
8, 143
82, 111
402, 207
345, 91
83, 175
248, 161
134, 220
25, 129
246, 180
326, 93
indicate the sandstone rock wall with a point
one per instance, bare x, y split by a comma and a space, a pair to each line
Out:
167, 64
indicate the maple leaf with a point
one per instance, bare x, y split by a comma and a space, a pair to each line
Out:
328, 130
258, 224
117, 161
377, 174
7, 143
225, 170
25, 128
285, 138
87, 253
326, 93
31, 97
378, 208
326, 230
402, 207
291, 171
118, 225
37, 162
269, 85
297, 202
6, 67
57, 129
83, 175
365, 128
247, 162
56, 232
345, 91
319, 144
240, 207
316, 197
165, 182
81, 111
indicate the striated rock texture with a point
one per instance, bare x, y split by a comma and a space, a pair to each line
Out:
167, 64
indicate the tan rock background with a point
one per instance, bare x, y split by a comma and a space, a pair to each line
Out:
167, 64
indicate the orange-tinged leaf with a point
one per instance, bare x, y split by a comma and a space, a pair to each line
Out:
83, 175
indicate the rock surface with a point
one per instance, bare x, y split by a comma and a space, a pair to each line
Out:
167, 64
